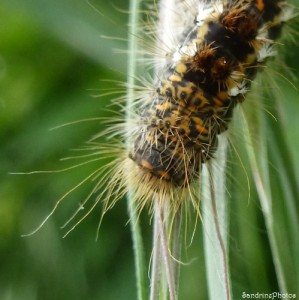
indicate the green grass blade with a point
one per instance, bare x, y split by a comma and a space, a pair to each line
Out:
278, 191
258, 160
140, 265
215, 222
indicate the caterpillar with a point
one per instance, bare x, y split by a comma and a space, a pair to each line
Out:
202, 81
177, 118
220, 48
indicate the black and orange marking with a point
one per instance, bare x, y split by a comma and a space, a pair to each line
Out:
178, 132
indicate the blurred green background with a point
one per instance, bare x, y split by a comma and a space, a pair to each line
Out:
52, 60
53, 55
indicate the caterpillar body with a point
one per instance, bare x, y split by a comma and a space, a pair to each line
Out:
221, 45
199, 85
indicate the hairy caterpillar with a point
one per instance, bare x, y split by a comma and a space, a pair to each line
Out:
176, 125
219, 48
203, 79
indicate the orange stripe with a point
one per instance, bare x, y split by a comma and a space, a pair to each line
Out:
145, 164
260, 5
164, 175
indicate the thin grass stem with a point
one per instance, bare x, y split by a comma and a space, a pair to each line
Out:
176, 246
156, 262
168, 261
140, 268
221, 241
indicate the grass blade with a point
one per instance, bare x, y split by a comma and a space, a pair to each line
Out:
215, 222
140, 265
